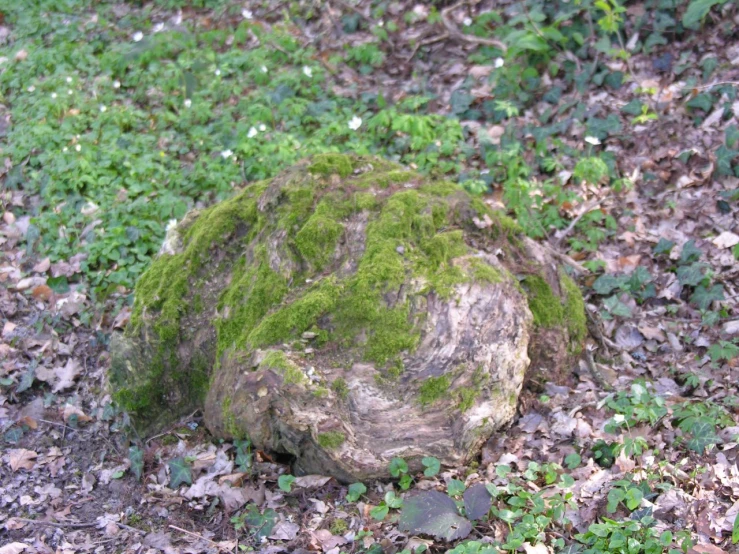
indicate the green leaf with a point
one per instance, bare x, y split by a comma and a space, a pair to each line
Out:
724, 158
633, 498
432, 465
616, 307
285, 482
393, 501
690, 253
702, 101
455, 487
605, 284
136, 457
379, 512
355, 491
703, 297
398, 466
261, 525
27, 379
664, 246
405, 482
179, 473
477, 501
433, 513
732, 135
572, 460
703, 435
690, 275
735, 530
697, 10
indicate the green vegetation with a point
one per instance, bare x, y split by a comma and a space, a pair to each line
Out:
331, 439
433, 389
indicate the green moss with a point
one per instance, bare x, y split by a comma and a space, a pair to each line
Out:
331, 439
433, 389
293, 318
340, 387
277, 360
316, 241
574, 313
339, 527
483, 272
545, 306
329, 164
383, 180
467, 397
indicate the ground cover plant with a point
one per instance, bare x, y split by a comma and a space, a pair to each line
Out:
606, 128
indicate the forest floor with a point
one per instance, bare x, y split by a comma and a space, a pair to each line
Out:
638, 453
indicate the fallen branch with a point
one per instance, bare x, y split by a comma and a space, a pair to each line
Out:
455, 33
201, 537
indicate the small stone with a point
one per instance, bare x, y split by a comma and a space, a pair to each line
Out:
309, 351
309, 335
400, 249
731, 327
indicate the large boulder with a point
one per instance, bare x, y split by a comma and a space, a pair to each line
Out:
346, 312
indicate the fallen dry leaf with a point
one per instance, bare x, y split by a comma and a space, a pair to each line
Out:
20, 458
42, 292
43, 266
70, 410
726, 240
14, 548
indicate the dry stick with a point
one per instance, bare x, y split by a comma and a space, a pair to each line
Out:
459, 35
201, 537
588, 208
426, 42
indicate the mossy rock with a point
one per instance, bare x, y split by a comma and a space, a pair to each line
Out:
346, 312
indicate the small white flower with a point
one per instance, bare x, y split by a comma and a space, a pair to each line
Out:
381, 23
70, 92
226, 154
159, 27
247, 14
137, 36
252, 132
53, 94
69, 79
264, 69
355, 123
592, 140
307, 71
218, 72
31, 88
103, 109
499, 62
618, 418
188, 102
467, 21
77, 147
116, 84
64, 149
262, 127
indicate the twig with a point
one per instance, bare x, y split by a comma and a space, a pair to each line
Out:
594, 371
55, 524
455, 33
426, 42
719, 83
201, 537
590, 206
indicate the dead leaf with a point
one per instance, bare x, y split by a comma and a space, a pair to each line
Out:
14, 548
310, 481
285, 531
20, 458
43, 266
652, 333
706, 549
726, 240
8, 329
535, 549
42, 292
70, 410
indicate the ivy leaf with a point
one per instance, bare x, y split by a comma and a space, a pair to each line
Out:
179, 473
261, 525
703, 435
285, 482
633, 498
690, 253
605, 284
433, 513
703, 101
664, 246
398, 466
432, 465
573, 460
355, 491
724, 158
136, 456
616, 307
690, 275
477, 501
703, 297
393, 501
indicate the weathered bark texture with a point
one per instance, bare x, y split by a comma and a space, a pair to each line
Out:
346, 312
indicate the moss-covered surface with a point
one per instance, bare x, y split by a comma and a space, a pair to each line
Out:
280, 259
331, 439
